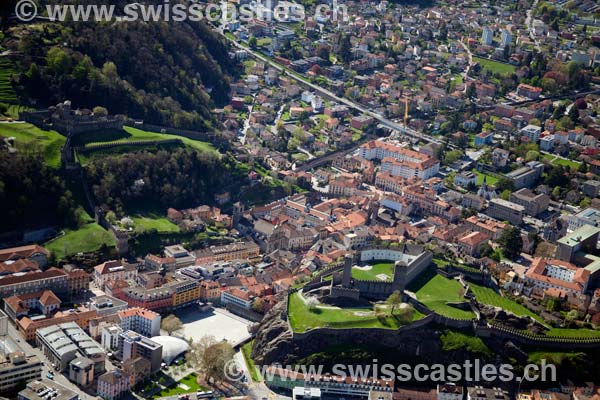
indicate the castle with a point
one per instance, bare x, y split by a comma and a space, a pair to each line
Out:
410, 262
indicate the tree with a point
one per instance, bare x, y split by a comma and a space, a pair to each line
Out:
532, 155
345, 51
395, 300
252, 42
574, 114
100, 111
171, 324
511, 242
452, 156
505, 183
258, 305
216, 361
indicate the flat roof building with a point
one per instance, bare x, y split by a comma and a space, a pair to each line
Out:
63, 343
44, 389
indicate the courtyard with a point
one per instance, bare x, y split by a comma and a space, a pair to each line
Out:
219, 323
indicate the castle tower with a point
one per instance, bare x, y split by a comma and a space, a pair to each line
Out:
238, 211
347, 275
399, 282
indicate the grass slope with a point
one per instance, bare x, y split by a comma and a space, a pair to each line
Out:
452, 340
7, 93
90, 237
302, 318
490, 297
29, 136
146, 224
435, 292
133, 134
252, 368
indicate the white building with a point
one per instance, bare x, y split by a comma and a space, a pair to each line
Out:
487, 36
140, 320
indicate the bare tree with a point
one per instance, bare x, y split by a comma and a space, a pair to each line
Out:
171, 324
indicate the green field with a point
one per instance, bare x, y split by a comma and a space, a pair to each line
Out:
191, 381
491, 180
252, 368
28, 136
90, 237
574, 333
561, 161
7, 93
495, 66
488, 296
129, 134
386, 268
435, 292
302, 318
146, 224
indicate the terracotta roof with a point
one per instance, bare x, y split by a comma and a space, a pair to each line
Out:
31, 276
20, 265
22, 252
142, 312
105, 267
49, 298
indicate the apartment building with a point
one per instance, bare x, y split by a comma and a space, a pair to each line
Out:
133, 345
185, 292
584, 238
113, 385
534, 203
504, 210
111, 271
237, 297
43, 389
526, 176
235, 251
411, 166
140, 320
589, 216
52, 279
44, 302
210, 290
488, 226
16, 366
557, 276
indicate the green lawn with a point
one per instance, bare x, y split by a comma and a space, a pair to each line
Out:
491, 180
495, 66
88, 238
490, 297
28, 136
133, 134
574, 333
302, 318
435, 292
452, 340
561, 161
386, 268
190, 381
145, 224
252, 368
